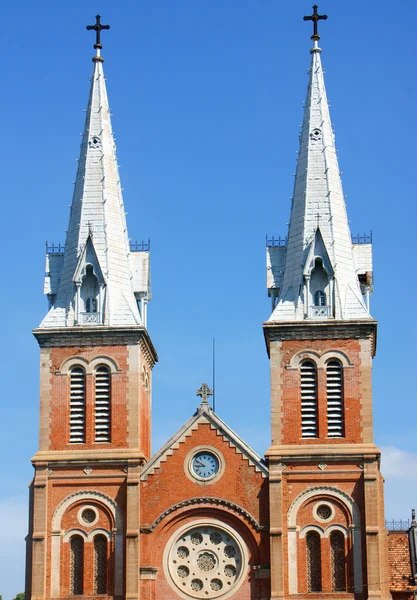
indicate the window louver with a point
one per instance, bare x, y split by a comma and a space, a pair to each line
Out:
334, 399
308, 400
77, 406
102, 405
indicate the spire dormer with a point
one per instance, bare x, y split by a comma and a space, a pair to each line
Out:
319, 226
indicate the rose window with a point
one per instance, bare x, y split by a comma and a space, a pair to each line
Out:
205, 561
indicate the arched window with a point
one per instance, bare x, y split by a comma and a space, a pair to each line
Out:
319, 298
308, 376
334, 383
100, 564
313, 562
76, 565
91, 305
102, 404
337, 561
77, 406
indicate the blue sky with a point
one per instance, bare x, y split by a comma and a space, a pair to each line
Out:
206, 99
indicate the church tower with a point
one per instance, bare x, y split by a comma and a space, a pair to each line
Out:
327, 525
96, 359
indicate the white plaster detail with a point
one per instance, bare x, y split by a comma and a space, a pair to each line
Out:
88, 470
322, 466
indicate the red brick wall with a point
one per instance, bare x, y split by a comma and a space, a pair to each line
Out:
291, 398
169, 485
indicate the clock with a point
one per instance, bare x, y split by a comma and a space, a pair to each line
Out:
205, 464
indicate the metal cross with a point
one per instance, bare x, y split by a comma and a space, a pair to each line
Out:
204, 392
315, 18
98, 27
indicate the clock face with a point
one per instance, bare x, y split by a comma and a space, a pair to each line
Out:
205, 464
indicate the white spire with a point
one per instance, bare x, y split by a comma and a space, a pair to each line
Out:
316, 272
95, 285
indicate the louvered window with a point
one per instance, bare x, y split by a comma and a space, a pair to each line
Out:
313, 562
102, 405
337, 561
100, 564
308, 400
334, 399
77, 406
76, 565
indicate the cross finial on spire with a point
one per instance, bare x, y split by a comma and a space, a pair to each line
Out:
98, 28
204, 392
315, 17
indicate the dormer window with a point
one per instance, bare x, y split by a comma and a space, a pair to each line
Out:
91, 305
319, 298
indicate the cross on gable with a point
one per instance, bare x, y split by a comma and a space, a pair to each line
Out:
315, 17
204, 392
98, 27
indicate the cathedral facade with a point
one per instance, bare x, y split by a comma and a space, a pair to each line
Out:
206, 516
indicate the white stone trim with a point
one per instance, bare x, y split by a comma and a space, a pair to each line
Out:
205, 415
57, 534
68, 535
309, 528
317, 506
329, 530
292, 533
99, 531
319, 358
89, 366
80, 518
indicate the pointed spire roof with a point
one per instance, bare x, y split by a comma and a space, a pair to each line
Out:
318, 214
97, 217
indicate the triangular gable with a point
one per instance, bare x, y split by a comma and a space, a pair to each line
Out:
205, 414
88, 257
318, 249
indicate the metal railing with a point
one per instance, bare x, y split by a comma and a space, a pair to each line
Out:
401, 525
140, 246
273, 241
54, 248
366, 238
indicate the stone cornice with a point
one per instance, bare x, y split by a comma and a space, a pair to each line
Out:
275, 331
96, 336
90, 457
211, 501
328, 452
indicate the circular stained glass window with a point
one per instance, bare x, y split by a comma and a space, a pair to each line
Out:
205, 561
324, 512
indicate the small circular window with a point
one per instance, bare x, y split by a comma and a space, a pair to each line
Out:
205, 561
323, 511
87, 515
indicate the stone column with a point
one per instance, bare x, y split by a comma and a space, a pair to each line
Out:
276, 529
132, 532
40, 510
